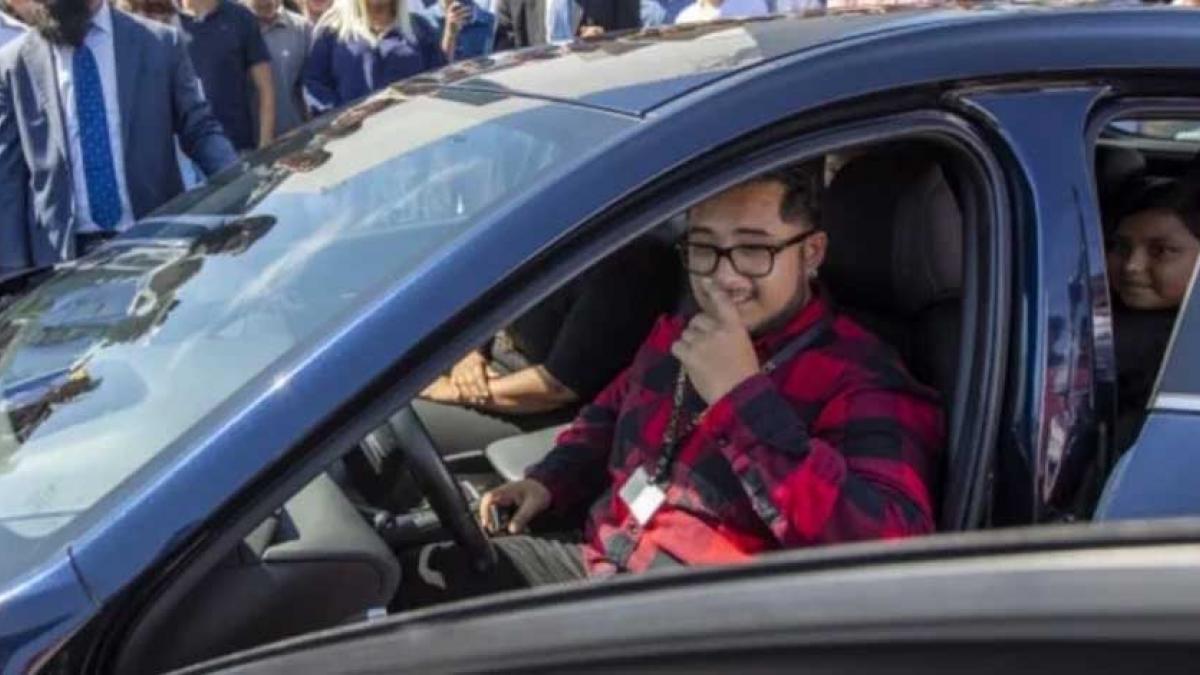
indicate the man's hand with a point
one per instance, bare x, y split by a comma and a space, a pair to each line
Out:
470, 377
587, 32
716, 350
458, 16
528, 496
442, 390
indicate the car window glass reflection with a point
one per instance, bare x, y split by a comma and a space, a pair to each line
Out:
218, 285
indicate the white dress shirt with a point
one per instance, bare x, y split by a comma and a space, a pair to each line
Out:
10, 29
100, 40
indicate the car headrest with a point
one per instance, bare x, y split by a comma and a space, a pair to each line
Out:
895, 234
1118, 171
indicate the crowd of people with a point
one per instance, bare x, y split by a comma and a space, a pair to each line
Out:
204, 81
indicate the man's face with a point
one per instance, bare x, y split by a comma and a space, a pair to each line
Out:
265, 10
25, 10
1151, 260
63, 22
315, 9
749, 215
161, 11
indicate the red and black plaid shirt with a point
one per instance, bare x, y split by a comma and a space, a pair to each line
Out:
837, 444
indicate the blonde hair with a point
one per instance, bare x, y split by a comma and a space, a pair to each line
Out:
349, 19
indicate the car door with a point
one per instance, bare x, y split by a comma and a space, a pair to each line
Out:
1159, 476
1060, 600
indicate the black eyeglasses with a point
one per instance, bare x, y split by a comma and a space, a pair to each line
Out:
749, 260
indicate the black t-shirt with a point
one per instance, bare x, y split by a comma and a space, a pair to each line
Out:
587, 332
1140, 338
223, 46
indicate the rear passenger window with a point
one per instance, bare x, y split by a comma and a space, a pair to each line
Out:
1148, 182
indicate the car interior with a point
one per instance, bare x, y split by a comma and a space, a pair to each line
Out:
329, 556
1132, 153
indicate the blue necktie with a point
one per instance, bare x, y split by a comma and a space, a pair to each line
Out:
98, 170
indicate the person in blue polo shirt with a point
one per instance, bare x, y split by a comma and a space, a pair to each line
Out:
229, 54
467, 29
361, 46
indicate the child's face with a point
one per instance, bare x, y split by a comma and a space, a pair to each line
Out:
1151, 259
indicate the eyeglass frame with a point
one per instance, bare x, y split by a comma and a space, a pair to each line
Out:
726, 253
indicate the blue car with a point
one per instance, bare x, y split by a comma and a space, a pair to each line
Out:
183, 407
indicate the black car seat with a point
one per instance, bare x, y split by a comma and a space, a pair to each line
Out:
1118, 171
895, 263
511, 456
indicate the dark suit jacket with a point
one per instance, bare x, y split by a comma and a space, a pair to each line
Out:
522, 23
159, 98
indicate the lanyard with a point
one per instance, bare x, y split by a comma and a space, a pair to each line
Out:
676, 430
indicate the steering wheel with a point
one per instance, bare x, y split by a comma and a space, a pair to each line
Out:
444, 493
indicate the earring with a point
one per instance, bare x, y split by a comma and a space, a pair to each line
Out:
812, 274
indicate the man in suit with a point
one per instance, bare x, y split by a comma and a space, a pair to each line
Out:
91, 100
524, 23
10, 28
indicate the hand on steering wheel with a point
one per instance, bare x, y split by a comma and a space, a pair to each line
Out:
440, 487
528, 496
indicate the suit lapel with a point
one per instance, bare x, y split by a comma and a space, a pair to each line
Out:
39, 60
127, 50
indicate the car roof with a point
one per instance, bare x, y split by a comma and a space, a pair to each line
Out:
634, 72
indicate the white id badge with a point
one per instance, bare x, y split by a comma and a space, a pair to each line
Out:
643, 497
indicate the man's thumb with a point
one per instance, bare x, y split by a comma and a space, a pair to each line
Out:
525, 513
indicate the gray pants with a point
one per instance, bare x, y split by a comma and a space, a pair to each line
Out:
437, 573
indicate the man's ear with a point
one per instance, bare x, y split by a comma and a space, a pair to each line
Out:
813, 249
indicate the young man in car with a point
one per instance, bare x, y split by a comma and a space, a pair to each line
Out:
764, 421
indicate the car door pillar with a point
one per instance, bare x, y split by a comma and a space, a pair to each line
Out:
1063, 319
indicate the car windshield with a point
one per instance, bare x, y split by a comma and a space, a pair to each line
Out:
108, 361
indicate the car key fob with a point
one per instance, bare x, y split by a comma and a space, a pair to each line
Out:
499, 517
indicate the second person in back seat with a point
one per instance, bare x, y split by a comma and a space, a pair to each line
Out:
538, 371
1151, 258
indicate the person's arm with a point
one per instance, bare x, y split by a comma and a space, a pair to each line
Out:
858, 467
505, 29
320, 83
260, 74
863, 477
200, 134
258, 67
532, 390
574, 471
14, 186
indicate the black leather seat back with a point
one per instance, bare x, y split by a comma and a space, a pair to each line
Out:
895, 260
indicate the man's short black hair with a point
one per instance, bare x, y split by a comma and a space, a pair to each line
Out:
802, 186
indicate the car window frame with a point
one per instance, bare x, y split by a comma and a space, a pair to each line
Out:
1159, 107
588, 242
1048, 548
